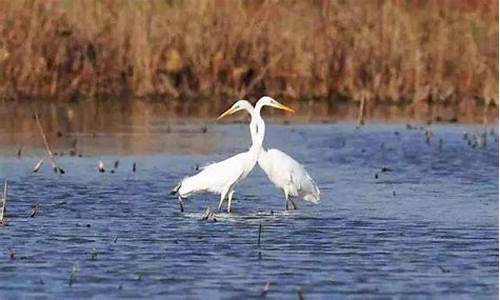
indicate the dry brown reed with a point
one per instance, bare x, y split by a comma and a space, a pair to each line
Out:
392, 51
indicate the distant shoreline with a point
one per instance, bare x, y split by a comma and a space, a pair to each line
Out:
318, 110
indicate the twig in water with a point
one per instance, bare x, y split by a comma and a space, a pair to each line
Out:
260, 233
428, 136
300, 293
38, 166
34, 210
73, 274
362, 111
4, 203
46, 143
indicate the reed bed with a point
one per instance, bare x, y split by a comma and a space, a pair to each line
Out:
382, 51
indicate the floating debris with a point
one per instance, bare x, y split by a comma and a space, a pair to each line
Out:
443, 269
204, 129
38, 166
12, 253
34, 210
116, 164
61, 203
134, 167
386, 169
19, 152
100, 167
465, 136
376, 175
266, 289
74, 273
93, 254
394, 193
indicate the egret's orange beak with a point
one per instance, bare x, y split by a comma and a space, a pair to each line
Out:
228, 112
282, 107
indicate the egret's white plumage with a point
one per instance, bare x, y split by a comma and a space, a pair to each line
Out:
281, 169
222, 177
288, 175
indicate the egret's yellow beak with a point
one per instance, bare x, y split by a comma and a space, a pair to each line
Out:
228, 112
283, 107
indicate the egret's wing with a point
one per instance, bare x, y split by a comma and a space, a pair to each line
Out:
215, 177
298, 177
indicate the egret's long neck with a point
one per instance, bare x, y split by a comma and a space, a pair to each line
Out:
254, 134
258, 126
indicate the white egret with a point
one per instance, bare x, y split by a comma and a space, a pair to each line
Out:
281, 169
222, 177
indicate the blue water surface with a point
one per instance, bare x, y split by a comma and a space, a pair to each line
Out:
426, 226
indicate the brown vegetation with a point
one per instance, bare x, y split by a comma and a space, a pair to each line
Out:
388, 51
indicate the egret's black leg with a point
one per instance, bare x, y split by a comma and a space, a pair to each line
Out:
181, 205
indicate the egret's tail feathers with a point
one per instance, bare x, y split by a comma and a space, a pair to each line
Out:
175, 190
312, 198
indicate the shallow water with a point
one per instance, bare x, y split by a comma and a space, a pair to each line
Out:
428, 228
